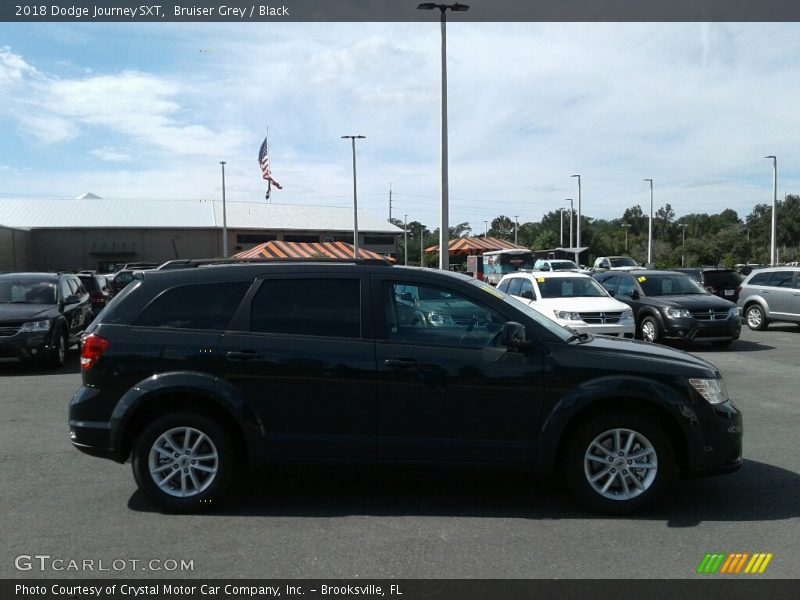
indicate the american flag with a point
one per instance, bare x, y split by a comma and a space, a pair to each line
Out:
263, 161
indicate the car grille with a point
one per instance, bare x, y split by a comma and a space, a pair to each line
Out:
710, 315
600, 317
6, 330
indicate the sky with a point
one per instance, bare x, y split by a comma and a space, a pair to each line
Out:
147, 110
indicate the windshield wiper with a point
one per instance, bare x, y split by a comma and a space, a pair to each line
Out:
579, 337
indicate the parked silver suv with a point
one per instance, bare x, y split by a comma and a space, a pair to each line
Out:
769, 295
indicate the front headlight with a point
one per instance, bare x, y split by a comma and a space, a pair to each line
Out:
565, 315
626, 315
35, 326
439, 320
713, 390
735, 312
677, 313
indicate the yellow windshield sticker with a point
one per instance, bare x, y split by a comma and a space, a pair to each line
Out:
540, 279
641, 279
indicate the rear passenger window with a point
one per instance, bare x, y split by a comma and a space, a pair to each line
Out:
199, 306
527, 286
316, 307
781, 279
760, 279
503, 285
514, 286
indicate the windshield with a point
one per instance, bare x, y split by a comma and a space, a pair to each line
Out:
561, 265
570, 287
670, 285
623, 261
560, 332
27, 291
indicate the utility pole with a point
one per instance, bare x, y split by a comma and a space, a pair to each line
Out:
224, 216
421, 244
390, 202
353, 139
683, 243
405, 238
650, 227
773, 250
516, 227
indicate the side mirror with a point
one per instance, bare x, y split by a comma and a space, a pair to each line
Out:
545, 267
512, 335
407, 297
527, 294
72, 299
612, 293
634, 294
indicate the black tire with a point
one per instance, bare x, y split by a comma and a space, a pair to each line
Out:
59, 355
212, 487
650, 335
755, 317
577, 469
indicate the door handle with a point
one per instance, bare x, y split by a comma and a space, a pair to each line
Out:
400, 363
242, 355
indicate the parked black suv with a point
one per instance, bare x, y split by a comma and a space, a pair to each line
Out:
673, 305
719, 281
193, 371
41, 315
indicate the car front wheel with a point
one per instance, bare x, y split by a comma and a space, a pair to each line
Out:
756, 319
184, 462
649, 330
618, 463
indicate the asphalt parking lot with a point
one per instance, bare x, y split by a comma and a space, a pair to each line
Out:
380, 523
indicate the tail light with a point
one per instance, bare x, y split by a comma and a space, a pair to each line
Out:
92, 348
96, 298
738, 290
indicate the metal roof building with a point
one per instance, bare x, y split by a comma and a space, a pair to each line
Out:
98, 233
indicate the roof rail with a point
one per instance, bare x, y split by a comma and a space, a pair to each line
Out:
189, 263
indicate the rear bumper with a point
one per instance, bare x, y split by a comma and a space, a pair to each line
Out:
90, 436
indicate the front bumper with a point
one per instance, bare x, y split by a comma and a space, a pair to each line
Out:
625, 329
26, 346
703, 331
715, 439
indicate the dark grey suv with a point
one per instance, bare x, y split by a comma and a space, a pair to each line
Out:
192, 372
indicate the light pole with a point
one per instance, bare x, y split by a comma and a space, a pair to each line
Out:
562, 227
773, 259
571, 210
486, 229
650, 227
224, 216
405, 240
683, 243
626, 226
421, 244
516, 227
444, 226
353, 139
579, 209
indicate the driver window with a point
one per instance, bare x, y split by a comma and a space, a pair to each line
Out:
431, 315
64, 288
626, 287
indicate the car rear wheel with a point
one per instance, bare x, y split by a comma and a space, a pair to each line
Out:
756, 319
649, 330
618, 463
184, 462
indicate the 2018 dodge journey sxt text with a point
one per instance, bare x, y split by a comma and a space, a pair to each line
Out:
191, 372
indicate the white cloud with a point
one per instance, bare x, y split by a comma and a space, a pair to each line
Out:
110, 154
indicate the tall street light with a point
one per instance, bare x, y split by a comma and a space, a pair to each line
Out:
405, 240
650, 227
421, 244
579, 209
773, 259
224, 215
683, 243
353, 139
444, 226
486, 229
516, 227
562, 227
571, 210
626, 226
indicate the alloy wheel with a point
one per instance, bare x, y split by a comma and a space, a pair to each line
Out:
183, 462
620, 464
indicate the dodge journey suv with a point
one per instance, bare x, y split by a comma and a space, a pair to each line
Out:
191, 372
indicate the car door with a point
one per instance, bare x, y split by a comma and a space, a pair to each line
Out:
780, 293
301, 352
447, 392
72, 315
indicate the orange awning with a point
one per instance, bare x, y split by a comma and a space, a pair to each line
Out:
476, 245
276, 249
